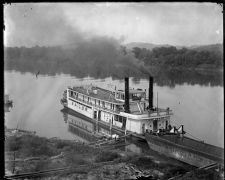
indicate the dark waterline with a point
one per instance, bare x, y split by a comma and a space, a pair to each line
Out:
162, 76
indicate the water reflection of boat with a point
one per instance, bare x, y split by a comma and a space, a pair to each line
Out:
81, 134
85, 129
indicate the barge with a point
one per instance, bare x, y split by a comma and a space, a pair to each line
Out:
175, 144
130, 110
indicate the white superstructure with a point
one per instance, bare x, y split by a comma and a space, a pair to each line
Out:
109, 106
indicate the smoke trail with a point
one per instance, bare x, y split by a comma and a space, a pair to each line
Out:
46, 25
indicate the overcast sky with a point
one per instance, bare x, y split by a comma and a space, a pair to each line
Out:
31, 24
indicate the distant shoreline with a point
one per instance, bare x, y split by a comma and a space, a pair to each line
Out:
206, 69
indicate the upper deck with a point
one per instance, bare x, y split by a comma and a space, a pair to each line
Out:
97, 93
114, 100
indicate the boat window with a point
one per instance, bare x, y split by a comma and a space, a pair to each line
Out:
116, 118
119, 118
136, 96
118, 108
122, 96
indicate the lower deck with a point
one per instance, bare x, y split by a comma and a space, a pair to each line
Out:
106, 125
137, 125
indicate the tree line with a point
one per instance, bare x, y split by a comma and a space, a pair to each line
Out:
115, 62
95, 60
182, 58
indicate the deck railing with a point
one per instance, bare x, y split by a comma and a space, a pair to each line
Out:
95, 105
117, 110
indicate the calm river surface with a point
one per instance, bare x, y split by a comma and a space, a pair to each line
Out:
36, 104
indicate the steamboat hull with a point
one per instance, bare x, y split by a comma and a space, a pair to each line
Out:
185, 149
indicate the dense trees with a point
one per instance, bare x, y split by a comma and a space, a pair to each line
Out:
182, 58
96, 60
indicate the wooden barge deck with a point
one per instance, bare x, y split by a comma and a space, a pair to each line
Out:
185, 149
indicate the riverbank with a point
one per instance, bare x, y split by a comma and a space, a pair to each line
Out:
26, 153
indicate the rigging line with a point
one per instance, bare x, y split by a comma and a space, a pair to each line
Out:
194, 137
189, 133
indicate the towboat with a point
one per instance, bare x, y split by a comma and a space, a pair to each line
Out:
127, 109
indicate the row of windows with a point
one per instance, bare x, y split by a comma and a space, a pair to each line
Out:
120, 96
133, 96
117, 118
92, 100
80, 106
120, 118
150, 125
106, 115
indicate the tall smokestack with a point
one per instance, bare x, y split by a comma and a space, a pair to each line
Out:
150, 92
126, 105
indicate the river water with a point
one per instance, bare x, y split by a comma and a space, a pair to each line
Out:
36, 104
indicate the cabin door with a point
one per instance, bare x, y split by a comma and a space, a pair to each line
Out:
124, 121
143, 128
99, 115
95, 114
155, 125
166, 124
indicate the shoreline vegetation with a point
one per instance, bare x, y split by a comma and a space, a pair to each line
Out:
114, 56
168, 65
27, 152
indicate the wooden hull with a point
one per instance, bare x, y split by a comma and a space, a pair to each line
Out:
187, 150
